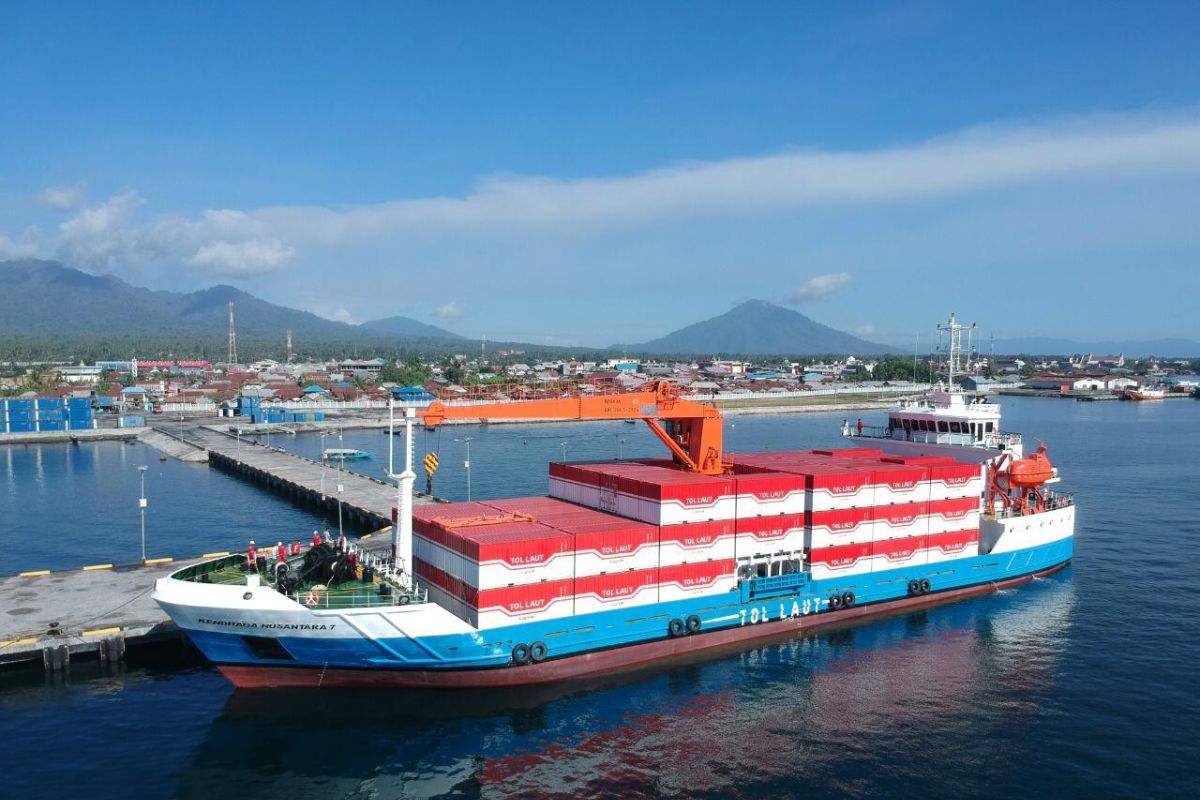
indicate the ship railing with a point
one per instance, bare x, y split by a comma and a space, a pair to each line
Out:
1054, 501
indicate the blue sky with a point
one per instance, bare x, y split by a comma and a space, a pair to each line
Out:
555, 173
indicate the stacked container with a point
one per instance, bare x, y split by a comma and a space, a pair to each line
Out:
868, 512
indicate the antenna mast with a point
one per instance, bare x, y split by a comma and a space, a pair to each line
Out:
232, 336
289, 345
954, 331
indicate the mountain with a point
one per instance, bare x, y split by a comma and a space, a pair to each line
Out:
1040, 345
757, 327
407, 326
48, 310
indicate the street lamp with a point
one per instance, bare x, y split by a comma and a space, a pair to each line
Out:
142, 509
467, 464
322, 459
620, 448
563, 445
340, 486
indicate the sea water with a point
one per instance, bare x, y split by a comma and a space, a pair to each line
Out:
1078, 685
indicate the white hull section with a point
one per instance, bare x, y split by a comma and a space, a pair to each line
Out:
901, 447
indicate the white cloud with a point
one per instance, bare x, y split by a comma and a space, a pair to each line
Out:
64, 198
449, 310
341, 314
241, 259
970, 161
817, 287
100, 237
26, 245
864, 330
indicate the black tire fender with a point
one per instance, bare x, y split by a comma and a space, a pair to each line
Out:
926, 586
520, 654
848, 599
675, 628
693, 624
835, 602
914, 587
537, 652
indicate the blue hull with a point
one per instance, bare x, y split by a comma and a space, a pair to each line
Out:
758, 601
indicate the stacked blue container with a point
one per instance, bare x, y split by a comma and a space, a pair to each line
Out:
80, 415
21, 416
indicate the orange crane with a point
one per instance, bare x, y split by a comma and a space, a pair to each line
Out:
691, 431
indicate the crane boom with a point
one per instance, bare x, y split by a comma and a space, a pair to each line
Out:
692, 431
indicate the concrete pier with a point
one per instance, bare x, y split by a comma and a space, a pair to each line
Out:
102, 609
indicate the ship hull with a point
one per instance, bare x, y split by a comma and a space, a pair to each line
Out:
910, 449
658, 653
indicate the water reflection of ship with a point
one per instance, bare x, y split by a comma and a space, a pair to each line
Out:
981, 665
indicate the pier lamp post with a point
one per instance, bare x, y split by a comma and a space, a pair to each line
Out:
620, 448
563, 445
322, 458
467, 463
142, 509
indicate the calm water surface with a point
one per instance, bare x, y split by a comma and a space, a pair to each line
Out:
1080, 685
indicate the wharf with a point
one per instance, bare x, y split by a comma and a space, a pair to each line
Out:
366, 502
98, 610
101, 609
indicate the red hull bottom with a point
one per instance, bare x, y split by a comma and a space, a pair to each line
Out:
603, 662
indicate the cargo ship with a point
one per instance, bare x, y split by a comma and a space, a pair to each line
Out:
946, 421
625, 564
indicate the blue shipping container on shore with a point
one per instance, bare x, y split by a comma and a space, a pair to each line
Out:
52, 425
20, 427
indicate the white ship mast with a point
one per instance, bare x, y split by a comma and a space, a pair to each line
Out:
954, 330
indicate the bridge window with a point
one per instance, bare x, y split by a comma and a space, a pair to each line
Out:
942, 426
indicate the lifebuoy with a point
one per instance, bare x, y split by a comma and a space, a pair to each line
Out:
520, 654
925, 586
848, 599
914, 587
675, 628
537, 652
835, 602
311, 599
403, 600
693, 624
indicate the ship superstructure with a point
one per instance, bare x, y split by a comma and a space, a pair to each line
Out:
626, 563
946, 421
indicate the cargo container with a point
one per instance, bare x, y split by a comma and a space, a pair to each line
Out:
692, 542
52, 425
899, 521
20, 426
501, 606
842, 526
653, 494
769, 493
952, 545
900, 552
131, 421
954, 515
762, 536
688, 581
842, 559
595, 593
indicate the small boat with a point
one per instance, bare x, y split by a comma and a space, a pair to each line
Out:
344, 454
1145, 393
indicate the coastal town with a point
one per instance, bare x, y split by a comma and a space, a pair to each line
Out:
144, 387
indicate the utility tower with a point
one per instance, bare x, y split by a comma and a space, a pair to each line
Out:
289, 345
232, 337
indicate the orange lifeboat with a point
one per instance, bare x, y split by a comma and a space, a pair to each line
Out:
1030, 472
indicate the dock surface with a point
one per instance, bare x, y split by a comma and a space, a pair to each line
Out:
48, 616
